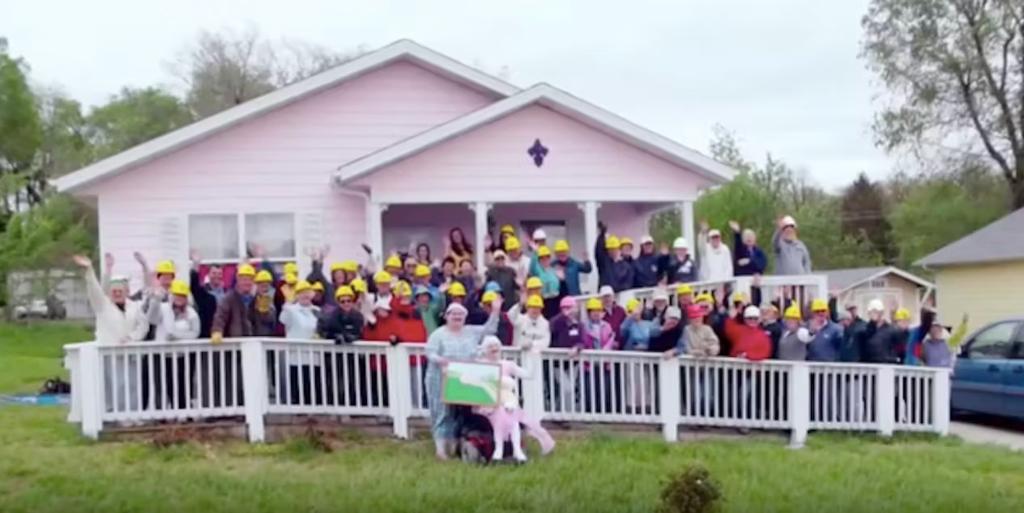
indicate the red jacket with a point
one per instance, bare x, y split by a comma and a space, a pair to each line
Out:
754, 342
406, 329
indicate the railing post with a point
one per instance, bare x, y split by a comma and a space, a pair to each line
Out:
74, 368
254, 387
940, 402
885, 400
670, 399
92, 392
399, 388
799, 403
533, 388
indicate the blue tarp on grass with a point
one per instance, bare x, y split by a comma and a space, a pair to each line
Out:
36, 399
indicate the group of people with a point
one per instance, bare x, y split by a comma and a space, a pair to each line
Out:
525, 298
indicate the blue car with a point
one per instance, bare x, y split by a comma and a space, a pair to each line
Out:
989, 374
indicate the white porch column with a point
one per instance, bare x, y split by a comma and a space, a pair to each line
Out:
686, 221
480, 210
589, 209
375, 230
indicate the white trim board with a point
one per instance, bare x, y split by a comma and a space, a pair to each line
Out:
177, 139
557, 100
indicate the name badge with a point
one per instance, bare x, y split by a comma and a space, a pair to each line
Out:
574, 332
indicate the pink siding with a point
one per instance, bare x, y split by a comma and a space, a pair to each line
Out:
280, 162
491, 164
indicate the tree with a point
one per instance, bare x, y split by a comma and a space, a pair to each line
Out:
133, 117
225, 69
862, 211
955, 72
21, 133
65, 146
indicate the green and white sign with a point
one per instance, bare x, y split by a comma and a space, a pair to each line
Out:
472, 384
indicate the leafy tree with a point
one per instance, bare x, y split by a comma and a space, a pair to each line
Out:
133, 117
21, 134
65, 146
955, 72
863, 208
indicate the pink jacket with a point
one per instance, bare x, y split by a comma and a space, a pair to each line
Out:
605, 338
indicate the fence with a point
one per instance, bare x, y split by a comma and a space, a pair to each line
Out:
133, 383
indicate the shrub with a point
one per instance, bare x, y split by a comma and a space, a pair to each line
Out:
690, 491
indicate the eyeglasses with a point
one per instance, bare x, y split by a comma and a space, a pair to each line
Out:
344, 301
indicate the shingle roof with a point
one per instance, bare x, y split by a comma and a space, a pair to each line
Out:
999, 241
842, 279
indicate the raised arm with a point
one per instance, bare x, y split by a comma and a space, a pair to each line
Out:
97, 298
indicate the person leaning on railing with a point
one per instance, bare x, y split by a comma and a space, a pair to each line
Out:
791, 254
344, 324
698, 339
677, 266
748, 258
239, 314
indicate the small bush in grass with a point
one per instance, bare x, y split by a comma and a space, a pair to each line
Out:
690, 491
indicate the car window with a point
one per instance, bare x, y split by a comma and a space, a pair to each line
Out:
994, 341
1017, 353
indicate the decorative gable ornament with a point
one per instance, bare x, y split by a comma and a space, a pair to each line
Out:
538, 151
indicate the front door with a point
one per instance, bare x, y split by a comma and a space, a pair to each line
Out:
980, 375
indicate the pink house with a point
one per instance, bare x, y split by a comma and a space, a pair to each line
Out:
393, 148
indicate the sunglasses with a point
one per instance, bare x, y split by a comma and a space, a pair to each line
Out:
344, 301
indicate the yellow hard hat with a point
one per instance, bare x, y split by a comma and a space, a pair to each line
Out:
534, 301
246, 270
793, 312
382, 277
337, 266
345, 265
291, 278
344, 291
393, 261
165, 267
594, 304
738, 297
632, 305
303, 286
612, 242
704, 297
509, 229
561, 246
625, 241
291, 268
404, 289
457, 289
685, 288
179, 288
422, 271
819, 305
534, 283
512, 244
543, 251
901, 315
317, 286
264, 276
489, 297
359, 285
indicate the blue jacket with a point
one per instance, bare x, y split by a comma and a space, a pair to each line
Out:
548, 278
636, 335
826, 345
758, 260
572, 269
645, 271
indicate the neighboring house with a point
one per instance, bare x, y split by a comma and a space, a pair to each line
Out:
890, 284
982, 274
393, 148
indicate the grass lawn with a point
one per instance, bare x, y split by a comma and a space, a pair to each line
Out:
45, 466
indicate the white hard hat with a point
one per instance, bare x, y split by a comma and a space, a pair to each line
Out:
606, 290
660, 294
788, 221
752, 312
714, 233
679, 243
646, 239
875, 305
539, 234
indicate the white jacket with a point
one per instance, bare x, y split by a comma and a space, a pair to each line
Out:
715, 264
529, 334
170, 327
112, 325
300, 322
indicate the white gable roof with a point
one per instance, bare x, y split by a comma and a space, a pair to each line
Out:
559, 101
403, 49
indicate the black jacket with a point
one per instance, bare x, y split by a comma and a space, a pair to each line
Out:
341, 326
206, 303
677, 271
618, 274
758, 260
774, 330
645, 271
505, 277
878, 343
852, 335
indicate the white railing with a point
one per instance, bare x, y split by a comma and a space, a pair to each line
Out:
253, 378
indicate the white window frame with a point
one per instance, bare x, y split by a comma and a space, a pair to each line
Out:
242, 249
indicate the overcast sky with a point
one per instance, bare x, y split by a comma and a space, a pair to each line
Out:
783, 74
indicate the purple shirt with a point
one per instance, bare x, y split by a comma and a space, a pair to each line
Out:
565, 331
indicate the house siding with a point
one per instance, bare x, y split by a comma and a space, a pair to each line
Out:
905, 292
280, 162
491, 163
986, 292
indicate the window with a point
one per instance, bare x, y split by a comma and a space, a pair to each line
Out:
994, 342
218, 237
274, 232
878, 283
214, 236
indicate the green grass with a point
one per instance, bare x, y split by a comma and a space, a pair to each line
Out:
31, 353
46, 466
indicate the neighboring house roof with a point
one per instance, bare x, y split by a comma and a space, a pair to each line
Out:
1001, 240
557, 100
846, 279
403, 49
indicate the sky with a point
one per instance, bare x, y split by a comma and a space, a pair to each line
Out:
783, 75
